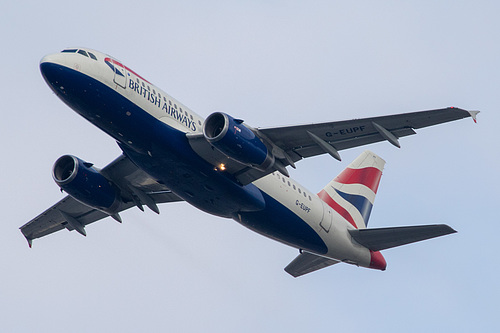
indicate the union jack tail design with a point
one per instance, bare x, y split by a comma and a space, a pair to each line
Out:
352, 193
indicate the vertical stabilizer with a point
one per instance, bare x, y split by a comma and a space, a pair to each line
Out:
352, 192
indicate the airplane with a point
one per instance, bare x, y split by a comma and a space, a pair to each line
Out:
223, 166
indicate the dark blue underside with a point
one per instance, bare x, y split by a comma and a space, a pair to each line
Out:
174, 163
281, 224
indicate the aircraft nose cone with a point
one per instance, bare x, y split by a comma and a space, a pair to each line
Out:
48, 67
49, 72
377, 261
54, 58
57, 74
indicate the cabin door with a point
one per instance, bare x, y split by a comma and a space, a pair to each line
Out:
120, 76
326, 222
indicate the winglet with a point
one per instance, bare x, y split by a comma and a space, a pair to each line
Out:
473, 114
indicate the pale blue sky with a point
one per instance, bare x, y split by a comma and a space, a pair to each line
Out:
271, 63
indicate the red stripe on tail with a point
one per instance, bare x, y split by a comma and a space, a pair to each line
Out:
370, 177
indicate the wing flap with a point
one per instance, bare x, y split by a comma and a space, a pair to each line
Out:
306, 263
378, 239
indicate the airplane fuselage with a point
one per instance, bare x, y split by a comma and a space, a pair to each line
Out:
151, 129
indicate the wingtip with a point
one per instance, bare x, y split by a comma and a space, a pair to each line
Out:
473, 114
447, 229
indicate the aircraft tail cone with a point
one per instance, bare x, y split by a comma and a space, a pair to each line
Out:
377, 261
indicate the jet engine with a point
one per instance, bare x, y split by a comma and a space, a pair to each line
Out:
85, 184
236, 141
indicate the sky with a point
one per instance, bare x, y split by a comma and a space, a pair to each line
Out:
271, 63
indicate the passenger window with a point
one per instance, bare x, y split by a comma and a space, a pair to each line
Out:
300, 191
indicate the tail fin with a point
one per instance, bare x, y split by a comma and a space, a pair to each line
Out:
352, 192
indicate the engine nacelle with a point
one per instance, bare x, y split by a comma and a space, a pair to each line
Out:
85, 184
236, 141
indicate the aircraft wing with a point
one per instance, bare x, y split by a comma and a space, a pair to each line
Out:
136, 188
293, 143
309, 140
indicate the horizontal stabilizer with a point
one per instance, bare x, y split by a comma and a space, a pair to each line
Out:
307, 263
384, 238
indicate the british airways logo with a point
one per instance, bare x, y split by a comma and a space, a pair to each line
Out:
110, 64
165, 106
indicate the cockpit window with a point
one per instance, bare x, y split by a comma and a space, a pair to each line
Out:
82, 52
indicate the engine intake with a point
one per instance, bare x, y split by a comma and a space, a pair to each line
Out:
236, 141
85, 184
